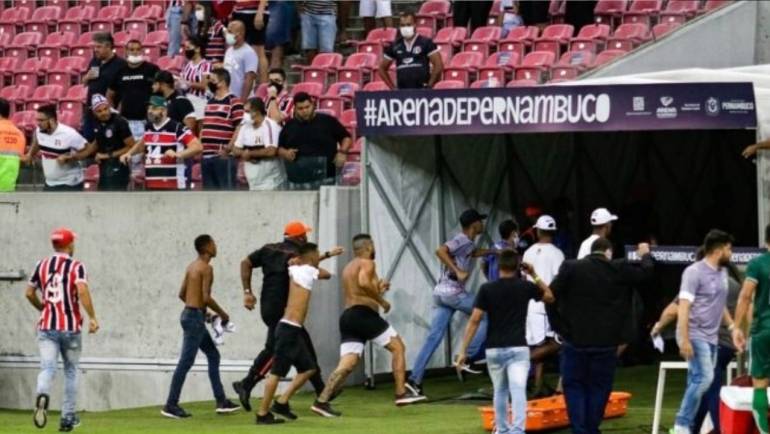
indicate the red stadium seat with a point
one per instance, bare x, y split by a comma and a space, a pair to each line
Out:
23, 44
91, 174
84, 46
571, 64
155, 44
712, 5
494, 11
144, 19
29, 4
375, 86
391, 73
376, 40
499, 66
109, 18
121, 40
679, 11
609, 11
338, 97
450, 84
8, 66
629, 36
63, 4
32, 70
348, 120
426, 32
591, 38
77, 18
324, 67
128, 4
450, 38
518, 39
44, 19
74, 99
312, 88
557, 9
433, 14
67, 71
13, 19
16, 95
358, 68
351, 173
73, 119
174, 64
463, 65
483, 84
46, 94
524, 82
483, 39
553, 37
663, 29
56, 45
643, 11
25, 120
608, 56
535, 65
5, 40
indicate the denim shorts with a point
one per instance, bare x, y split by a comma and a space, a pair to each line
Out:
319, 32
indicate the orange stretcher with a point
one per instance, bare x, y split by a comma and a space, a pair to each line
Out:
551, 413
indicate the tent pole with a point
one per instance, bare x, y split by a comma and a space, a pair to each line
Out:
442, 231
364, 196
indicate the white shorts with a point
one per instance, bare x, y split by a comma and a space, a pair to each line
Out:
375, 8
358, 347
199, 104
538, 327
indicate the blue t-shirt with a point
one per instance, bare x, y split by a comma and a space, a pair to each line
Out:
492, 260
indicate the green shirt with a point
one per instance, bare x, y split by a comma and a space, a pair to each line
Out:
758, 271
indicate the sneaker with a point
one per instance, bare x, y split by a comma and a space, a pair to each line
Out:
174, 412
268, 419
227, 407
409, 398
283, 410
243, 395
68, 423
41, 411
679, 430
413, 387
324, 409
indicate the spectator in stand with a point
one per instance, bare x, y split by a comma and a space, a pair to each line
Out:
343, 19
113, 138
319, 27
257, 146
103, 68
278, 30
255, 17
12, 143
212, 31
509, 19
131, 88
179, 107
62, 148
310, 141
195, 76
240, 61
221, 122
180, 22
418, 60
278, 101
475, 12
166, 144
375, 9
534, 13
580, 13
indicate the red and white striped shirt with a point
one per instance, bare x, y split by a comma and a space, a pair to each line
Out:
162, 172
247, 6
57, 277
285, 104
221, 118
193, 73
215, 49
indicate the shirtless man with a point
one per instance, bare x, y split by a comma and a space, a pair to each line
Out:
291, 347
196, 295
360, 323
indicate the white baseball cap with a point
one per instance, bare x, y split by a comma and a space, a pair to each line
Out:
545, 223
602, 216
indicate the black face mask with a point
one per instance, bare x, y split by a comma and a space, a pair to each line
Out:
189, 54
213, 87
278, 86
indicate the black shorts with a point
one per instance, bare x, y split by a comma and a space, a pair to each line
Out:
253, 36
291, 349
359, 324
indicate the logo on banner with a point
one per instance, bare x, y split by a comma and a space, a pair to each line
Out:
737, 106
712, 106
638, 103
666, 111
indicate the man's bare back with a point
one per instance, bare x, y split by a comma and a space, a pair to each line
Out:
357, 271
196, 287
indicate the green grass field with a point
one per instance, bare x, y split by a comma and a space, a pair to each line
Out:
363, 412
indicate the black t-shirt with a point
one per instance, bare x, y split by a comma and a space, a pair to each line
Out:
317, 137
133, 87
111, 135
274, 261
506, 301
179, 107
107, 73
412, 63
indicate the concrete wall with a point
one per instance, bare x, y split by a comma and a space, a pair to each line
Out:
725, 38
763, 32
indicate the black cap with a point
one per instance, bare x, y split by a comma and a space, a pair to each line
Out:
470, 216
164, 77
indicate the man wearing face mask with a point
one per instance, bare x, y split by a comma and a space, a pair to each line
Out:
101, 73
131, 88
599, 289
240, 61
223, 115
257, 146
278, 101
418, 60
180, 108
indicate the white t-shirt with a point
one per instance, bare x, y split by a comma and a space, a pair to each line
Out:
585, 248
546, 260
238, 62
64, 140
304, 275
264, 173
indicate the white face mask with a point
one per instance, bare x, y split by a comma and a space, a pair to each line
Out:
407, 32
229, 39
135, 59
200, 15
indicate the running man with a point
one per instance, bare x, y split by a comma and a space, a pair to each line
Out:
63, 285
360, 323
196, 295
756, 287
292, 347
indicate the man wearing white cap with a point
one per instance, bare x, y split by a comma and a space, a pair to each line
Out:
601, 220
546, 259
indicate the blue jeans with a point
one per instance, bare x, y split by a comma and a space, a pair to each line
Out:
443, 308
279, 26
51, 344
219, 173
195, 337
710, 402
318, 32
508, 369
700, 375
174, 26
587, 376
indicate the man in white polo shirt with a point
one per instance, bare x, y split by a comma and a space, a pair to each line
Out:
61, 149
257, 146
545, 259
601, 220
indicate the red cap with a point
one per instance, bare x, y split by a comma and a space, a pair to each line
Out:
62, 237
296, 228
